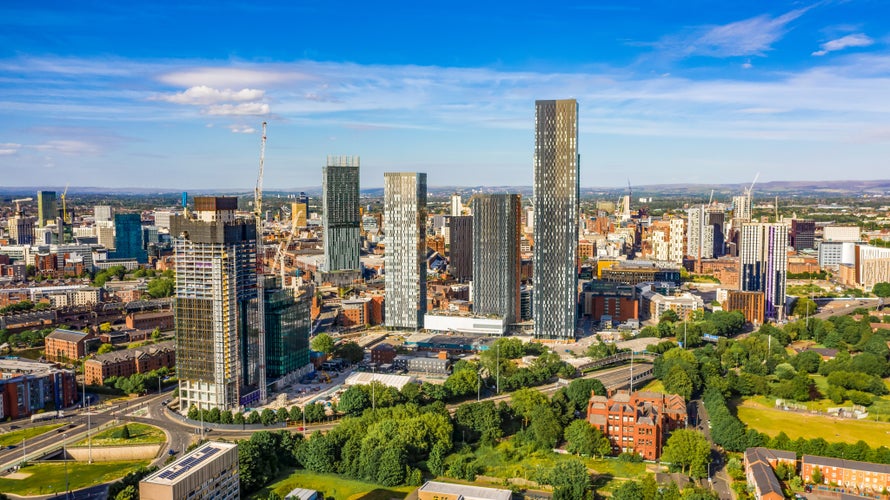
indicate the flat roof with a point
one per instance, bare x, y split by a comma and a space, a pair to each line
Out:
188, 463
468, 492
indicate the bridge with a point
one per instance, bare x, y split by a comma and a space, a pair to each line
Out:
621, 357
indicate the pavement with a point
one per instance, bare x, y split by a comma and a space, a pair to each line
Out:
718, 477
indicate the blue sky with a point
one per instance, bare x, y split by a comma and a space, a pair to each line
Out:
172, 94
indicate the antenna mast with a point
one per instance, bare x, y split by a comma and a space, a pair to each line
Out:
261, 295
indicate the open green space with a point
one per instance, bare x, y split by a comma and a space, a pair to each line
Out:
771, 422
46, 478
506, 461
139, 434
334, 486
655, 386
15, 437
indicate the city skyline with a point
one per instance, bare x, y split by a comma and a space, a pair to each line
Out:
94, 96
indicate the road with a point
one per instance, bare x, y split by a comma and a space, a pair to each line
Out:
717, 474
835, 307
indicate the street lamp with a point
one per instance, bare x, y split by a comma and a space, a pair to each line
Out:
65, 459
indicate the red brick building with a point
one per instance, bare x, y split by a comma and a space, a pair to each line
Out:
66, 345
760, 464
162, 320
638, 422
27, 387
383, 354
751, 304
128, 362
355, 312
864, 476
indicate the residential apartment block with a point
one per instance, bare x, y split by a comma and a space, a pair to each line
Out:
208, 472
130, 361
638, 422
28, 386
66, 345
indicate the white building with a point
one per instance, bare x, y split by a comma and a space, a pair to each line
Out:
404, 221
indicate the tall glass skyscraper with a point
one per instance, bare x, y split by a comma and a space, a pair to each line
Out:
404, 223
287, 330
128, 238
496, 257
556, 218
764, 261
216, 304
46, 207
340, 204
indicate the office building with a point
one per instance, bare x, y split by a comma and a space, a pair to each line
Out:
287, 331
404, 218
556, 188
637, 422
496, 257
841, 233
215, 299
102, 213
207, 472
764, 264
300, 210
460, 251
871, 266
46, 208
128, 238
340, 207
699, 234
803, 234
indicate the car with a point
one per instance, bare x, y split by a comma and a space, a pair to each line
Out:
11, 427
171, 452
11, 447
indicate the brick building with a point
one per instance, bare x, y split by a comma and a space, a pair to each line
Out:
751, 304
28, 386
760, 464
130, 361
66, 345
355, 312
612, 300
162, 320
638, 422
383, 354
725, 269
865, 476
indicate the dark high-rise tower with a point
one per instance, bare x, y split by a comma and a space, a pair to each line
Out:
460, 230
496, 257
556, 218
128, 238
342, 222
46, 207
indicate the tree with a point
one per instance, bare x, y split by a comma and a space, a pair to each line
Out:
125, 432
105, 327
350, 351
156, 334
296, 413
585, 439
881, 289
105, 348
354, 400
569, 479
322, 343
160, 287
268, 417
689, 451
282, 414
436, 461
628, 490
318, 453
677, 381
463, 382
804, 307
526, 402
131, 492
817, 475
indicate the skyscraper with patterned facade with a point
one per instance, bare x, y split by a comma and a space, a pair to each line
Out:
217, 334
496, 257
287, 331
764, 261
556, 189
404, 222
340, 207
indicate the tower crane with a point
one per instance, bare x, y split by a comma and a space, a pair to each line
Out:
750, 189
18, 205
65, 219
261, 296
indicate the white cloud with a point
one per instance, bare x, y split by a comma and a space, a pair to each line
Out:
230, 77
9, 148
243, 109
854, 40
68, 146
203, 95
749, 37
241, 129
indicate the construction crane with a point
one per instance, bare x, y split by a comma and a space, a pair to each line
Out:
284, 246
750, 189
18, 205
261, 297
64, 206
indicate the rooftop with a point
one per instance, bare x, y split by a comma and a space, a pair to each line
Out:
188, 463
67, 335
466, 492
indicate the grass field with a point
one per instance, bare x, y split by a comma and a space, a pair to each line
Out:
334, 486
504, 461
795, 425
45, 479
139, 434
15, 437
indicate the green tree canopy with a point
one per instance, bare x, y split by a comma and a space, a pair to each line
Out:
688, 451
322, 343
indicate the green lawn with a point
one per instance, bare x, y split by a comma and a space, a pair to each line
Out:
15, 437
334, 486
48, 478
139, 434
795, 425
506, 461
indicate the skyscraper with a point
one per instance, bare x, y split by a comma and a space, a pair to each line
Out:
461, 247
128, 238
556, 218
699, 234
217, 335
342, 219
102, 213
404, 223
46, 207
456, 205
496, 257
287, 331
764, 261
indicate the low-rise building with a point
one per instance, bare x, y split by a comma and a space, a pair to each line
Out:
28, 386
208, 472
162, 320
66, 345
383, 353
438, 365
615, 300
638, 422
751, 304
435, 490
760, 464
130, 361
866, 476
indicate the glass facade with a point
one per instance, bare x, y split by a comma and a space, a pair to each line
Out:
287, 332
342, 221
128, 238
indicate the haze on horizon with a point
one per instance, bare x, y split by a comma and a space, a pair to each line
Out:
172, 96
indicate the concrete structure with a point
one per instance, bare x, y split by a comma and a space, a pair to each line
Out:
556, 212
496, 258
872, 266
653, 303
431, 365
65, 345
21, 230
474, 324
208, 472
365, 378
677, 240
102, 213
404, 216
340, 212
461, 247
46, 208
741, 208
435, 490
636, 272
867, 477
456, 205
638, 422
215, 301
841, 233
764, 264
836, 253
129, 361
27, 387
